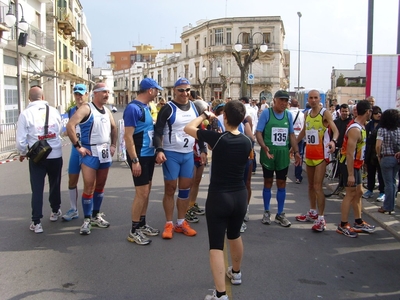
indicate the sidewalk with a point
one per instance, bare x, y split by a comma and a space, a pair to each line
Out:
389, 222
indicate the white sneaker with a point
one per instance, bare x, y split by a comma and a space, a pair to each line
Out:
85, 228
236, 278
243, 227
36, 228
214, 297
54, 215
71, 214
381, 197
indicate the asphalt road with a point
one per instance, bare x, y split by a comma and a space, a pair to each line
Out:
279, 263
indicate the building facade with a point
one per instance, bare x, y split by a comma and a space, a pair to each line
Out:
209, 60
53, 52
348, 84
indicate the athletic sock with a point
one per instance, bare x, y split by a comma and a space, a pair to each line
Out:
87, 204
220, 294
73, 197
280, 197
97, 200
266, 198
142, 221
359, 221
179, 221
135, 225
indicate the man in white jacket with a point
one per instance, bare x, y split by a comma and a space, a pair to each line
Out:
30, 129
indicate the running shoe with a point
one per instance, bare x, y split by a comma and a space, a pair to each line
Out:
54, 215
214, 297
148, 230
185, 229
282, 220
36, 228
246, 216
71, 214
197, 210
367, 194
99, 221
381, 197
191, 217
363, 227
308, 217
266, 218
168, 231
298, 181
138, 237
346, 230
243, 227
85, 228
236, 278
319, 225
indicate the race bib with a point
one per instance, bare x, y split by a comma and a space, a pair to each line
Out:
312, 137
184, 140
104, 153
279, 136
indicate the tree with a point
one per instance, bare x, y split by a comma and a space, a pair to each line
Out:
341, 81
202, 86
243, 61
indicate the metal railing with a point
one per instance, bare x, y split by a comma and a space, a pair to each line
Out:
8, 133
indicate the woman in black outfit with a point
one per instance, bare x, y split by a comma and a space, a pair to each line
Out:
226, 203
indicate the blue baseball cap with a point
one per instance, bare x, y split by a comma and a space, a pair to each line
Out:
80, 88
182, 81
149, 83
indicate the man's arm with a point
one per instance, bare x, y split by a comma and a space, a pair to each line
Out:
353, 136
302, 133
162, 119
76, 118
328, 121
114, 134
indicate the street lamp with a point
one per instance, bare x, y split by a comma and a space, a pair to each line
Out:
249, 58
12, 20
298, 62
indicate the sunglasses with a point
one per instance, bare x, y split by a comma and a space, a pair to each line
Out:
377, 112
183, 90
79, 89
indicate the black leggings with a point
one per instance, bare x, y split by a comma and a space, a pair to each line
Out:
225, 212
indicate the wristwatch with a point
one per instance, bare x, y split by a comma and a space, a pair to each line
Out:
78, 144
334, 140
207, 114
135, 160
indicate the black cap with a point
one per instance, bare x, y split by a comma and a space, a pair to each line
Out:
282, 94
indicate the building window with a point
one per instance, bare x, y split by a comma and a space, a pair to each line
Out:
197, 47
65, 52
219, 36
71, 56
245, 38
211, 38
229, 36
205, 42
267, 37
8, 60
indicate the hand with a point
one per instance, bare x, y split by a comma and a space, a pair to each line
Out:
297, 158
203, 157
160, 158
351, 181
332, 146
269, 155
136, 169
83, 151
112, 149
21, 158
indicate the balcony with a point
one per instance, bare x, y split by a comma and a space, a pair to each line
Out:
81, 40
65, 20
37, 42
67, 67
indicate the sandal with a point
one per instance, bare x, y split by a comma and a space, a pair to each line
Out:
384, 211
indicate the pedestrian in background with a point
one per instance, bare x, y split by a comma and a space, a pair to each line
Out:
388, 151
351, 163
318, 147
74, 166
371, 159
30, 129
298, 124
140, 151
227, 194
274, 133
97, 147
174, 150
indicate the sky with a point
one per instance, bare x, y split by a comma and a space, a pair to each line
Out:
333, 33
